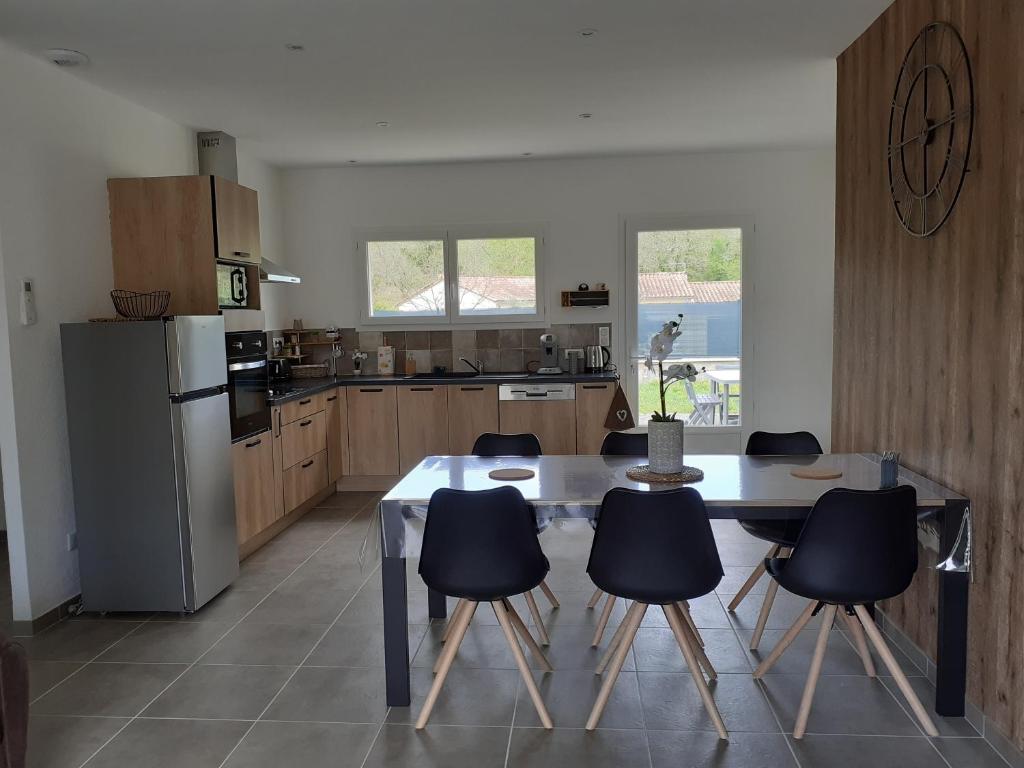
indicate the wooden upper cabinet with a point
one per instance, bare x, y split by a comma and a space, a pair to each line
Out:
237, 213
422, 424
373, 430
337, 434
255, 505
592, 404
473, 410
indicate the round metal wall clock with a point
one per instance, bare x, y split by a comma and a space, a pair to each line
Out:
930, 127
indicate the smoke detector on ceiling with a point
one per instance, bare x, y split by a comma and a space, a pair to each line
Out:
65, 57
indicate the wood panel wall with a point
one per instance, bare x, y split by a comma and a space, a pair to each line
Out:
929, 333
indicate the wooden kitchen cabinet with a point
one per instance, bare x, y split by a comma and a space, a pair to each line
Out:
253, 461
237, 213
553, 422
303, 438
275, 421
472, 410
592, 403
294, 410
336, 409
304, 480
373, 430
422, 424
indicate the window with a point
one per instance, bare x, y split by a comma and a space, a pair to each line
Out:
489, 274
693, 268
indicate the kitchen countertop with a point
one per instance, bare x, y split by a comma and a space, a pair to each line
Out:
296, 388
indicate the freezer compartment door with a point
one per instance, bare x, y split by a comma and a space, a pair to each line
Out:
196, 358
206, 497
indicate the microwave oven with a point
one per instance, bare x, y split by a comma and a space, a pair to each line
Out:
232, 286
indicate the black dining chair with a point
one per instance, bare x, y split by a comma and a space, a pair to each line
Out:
655, 548
856, 548
482, 546
781, 534
624, 444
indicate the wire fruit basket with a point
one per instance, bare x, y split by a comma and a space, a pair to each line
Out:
141, 306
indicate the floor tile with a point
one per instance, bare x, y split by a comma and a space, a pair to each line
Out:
469, 697
319, 575
570, 696
969, 753
259, 577
656, 650
703, 749
947, 726
171, 744
855, 751
160, 642
574, 611
228, 607
358, 646
108, 689
786, 609
220, 692
735, 576
842, 705
367, 608
255, 643
332, 694
67, 742
840, 657
483, 647
707, 613
79, 640
305, 745
672, 702
569, 748
43, 675
352, 501
300, 606
439, 746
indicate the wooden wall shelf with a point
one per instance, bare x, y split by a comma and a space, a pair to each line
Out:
585, 298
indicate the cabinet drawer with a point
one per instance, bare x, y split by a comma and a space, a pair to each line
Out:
301, 408
303, 480
303, 438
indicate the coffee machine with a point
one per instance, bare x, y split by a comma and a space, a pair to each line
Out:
549, 355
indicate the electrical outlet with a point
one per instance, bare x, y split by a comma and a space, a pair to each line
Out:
72, 541
604, 336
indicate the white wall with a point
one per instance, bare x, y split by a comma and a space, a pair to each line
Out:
789, 194
60, 139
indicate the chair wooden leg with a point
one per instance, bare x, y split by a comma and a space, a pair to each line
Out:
894, 669
594, 599
812, 677
524, 632
702, 658
524, 668
786, 641
603, 621
752, 579
634, 617
616, 639
447, 657
762, 618
542, 631
685, 608
549, 595
451, 620
858, 640
686, 646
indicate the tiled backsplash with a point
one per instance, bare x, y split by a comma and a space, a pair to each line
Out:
507, 350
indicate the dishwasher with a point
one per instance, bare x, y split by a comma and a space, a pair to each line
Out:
545, 410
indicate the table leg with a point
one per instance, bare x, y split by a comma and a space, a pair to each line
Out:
396, 631
725, 404
437, 605
951, 656
714, 392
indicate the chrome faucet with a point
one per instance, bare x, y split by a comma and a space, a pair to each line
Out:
479, 367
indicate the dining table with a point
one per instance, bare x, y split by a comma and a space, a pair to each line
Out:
733, 487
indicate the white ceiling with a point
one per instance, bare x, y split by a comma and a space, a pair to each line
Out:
465, 79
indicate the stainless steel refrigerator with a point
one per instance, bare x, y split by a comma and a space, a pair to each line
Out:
150, 445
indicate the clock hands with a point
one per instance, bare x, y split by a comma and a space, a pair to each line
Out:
925, 132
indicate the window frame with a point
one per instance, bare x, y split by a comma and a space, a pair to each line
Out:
450, 236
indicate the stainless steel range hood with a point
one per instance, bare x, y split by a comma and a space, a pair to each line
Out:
275, 273
218, 157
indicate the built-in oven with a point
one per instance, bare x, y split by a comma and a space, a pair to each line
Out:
248, 382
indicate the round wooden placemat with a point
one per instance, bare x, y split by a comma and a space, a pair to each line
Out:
511, 474
816, 473
643, 474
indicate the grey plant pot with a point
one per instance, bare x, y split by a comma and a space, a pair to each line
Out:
665, 446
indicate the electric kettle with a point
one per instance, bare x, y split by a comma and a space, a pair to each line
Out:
595, 358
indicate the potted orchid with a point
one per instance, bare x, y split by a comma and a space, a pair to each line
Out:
664, 430
357, 361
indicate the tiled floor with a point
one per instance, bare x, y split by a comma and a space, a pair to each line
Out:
286, 669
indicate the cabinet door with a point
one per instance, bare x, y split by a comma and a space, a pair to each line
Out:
304, 480
553, 422
253, 461
303, 438
373, 430
275, 420
422, 424
473, 410
592, 404
237, 213
337, 434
